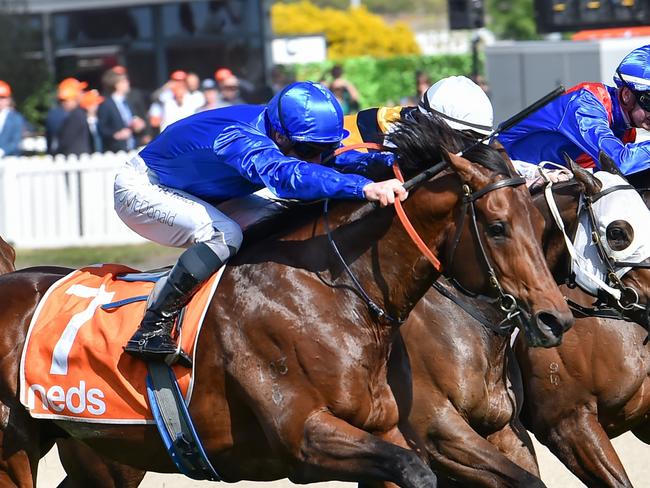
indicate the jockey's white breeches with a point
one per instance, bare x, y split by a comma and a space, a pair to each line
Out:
173, 217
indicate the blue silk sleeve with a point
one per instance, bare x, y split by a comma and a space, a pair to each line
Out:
586, 124
362, 163
259, 160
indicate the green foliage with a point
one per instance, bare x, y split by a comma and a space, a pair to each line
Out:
512, 19
144, 256
388, 81
37, 103
385, 6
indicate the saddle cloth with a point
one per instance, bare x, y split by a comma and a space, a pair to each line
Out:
73, 366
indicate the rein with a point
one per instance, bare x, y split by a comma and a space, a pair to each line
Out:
378, 312
507, 302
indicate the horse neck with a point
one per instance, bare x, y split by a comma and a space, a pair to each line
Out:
555, 250
383, 257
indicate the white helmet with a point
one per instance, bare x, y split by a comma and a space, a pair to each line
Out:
461, 102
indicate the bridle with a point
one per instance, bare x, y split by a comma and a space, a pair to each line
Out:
626, 297
507, 302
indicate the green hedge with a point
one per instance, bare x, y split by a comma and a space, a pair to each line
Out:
387, 81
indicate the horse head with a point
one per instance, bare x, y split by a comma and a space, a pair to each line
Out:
607, 237
490, 243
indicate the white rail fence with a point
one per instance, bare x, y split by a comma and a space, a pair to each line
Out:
56, 202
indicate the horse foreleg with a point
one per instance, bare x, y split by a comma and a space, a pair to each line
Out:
20, 448
513, 440
642, 432
469, 458
351, 454
582, 445
395, 436
84, 467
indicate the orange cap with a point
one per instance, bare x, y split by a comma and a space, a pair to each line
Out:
70, 88
90, 98
5, 89
119, 69
222, 74
178, 75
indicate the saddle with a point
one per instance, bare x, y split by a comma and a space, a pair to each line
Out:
73, 365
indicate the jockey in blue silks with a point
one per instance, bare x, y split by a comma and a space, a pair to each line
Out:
591, 117
168, 192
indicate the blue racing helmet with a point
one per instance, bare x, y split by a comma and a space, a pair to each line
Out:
634, 70
307, 112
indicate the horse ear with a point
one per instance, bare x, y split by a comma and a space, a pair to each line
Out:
589, 182
608, 164
469, 172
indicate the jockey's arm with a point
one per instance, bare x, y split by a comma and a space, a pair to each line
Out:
256, 158
586, 124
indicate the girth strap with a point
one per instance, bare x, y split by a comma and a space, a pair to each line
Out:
175, 424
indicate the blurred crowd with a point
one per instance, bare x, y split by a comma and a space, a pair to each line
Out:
122, 117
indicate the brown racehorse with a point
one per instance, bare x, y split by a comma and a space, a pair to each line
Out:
593, 387
467, 388
86, 465
285, 300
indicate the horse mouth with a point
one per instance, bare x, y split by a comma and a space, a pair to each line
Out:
545, 329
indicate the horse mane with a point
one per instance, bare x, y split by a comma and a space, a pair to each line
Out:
420, 142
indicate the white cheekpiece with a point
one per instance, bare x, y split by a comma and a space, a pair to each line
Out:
624, 205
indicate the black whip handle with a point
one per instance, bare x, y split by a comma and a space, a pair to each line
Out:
518, 117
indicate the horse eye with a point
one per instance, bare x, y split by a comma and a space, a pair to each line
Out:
616, 234
497, 229
619, 235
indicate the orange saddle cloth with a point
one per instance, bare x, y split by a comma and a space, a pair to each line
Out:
73, 366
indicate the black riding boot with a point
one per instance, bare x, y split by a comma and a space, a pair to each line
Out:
153, 341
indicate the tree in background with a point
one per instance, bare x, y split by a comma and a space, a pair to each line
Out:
512, 19
26, 73
352, 32
389, 81
428, 7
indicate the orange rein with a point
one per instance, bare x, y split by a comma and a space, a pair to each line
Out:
410, 230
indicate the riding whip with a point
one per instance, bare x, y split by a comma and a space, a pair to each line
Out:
515, 119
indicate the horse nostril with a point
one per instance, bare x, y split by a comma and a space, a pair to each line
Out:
552, 323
